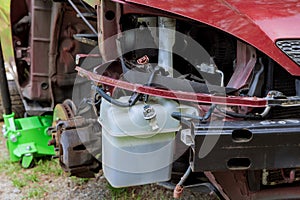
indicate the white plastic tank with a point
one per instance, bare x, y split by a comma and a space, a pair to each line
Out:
138, 149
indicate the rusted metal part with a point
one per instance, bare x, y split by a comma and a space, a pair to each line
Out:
234, 184
38, 88
291, 177
278, 193
177, 192
280, 176
179, 95
212, 179
61, 113
77, 158
64, 49
73, 136
246, 59
109, 14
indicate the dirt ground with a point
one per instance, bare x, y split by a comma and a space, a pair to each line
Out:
47, 181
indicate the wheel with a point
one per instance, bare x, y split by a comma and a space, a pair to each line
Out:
16, 101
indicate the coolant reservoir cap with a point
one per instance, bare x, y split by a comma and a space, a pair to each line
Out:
149, 112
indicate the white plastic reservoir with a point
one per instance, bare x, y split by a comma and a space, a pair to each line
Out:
136, 150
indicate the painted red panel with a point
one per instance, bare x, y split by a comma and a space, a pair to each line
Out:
172, 94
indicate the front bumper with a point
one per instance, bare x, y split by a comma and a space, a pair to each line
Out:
241, 145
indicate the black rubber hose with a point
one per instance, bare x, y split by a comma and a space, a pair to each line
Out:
151, 78
109, 98
136, 96
209, 112
150, 81
179, 115
5, 96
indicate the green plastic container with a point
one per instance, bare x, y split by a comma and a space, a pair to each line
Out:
27, 138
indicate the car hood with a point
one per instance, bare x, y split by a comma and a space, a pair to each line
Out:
278, 19
258, 22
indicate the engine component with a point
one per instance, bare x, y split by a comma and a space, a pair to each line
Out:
280, 176
79, 146
255, 89
78, 141
166, 43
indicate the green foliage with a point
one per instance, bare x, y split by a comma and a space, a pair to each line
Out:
30, 180
48, 167
117, 193
18, 183
36, 192
79, 181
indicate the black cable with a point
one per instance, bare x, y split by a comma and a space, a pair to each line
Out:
109, 98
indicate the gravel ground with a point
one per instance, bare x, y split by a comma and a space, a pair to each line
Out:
47, 181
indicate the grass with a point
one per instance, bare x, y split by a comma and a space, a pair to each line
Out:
79, 181
48, 167
117, 193
151, 192
36, 192
20, 177
30, 181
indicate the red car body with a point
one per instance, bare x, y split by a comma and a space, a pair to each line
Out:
249, 82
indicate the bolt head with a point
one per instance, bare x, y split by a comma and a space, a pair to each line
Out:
13, 138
